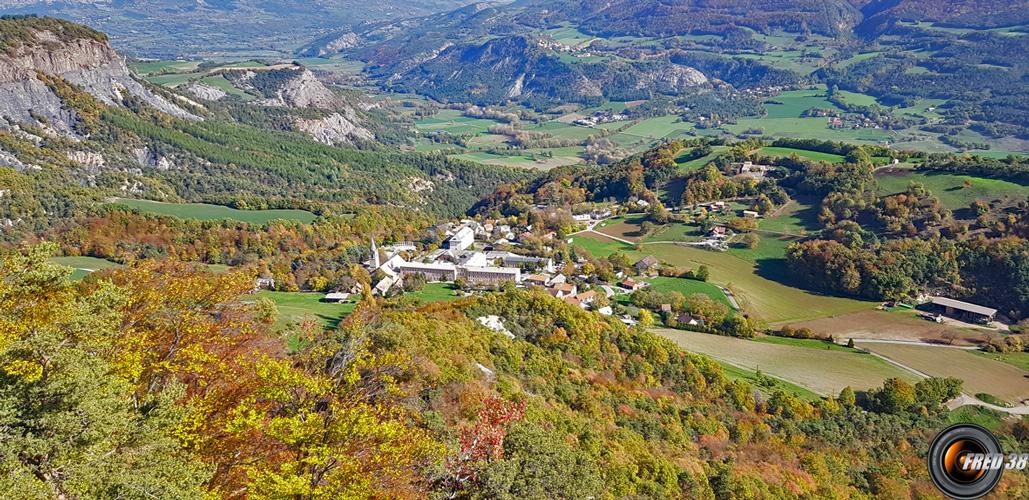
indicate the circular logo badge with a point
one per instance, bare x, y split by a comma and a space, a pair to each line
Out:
965, 461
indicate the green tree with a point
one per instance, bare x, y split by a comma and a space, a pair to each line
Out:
847, 397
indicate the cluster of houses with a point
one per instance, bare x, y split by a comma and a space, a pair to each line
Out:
600, 117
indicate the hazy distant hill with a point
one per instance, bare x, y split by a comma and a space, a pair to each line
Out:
211, 27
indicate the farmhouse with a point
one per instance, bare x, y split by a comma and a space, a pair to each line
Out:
964, 310
646, 264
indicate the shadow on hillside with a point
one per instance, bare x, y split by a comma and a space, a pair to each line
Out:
777, 271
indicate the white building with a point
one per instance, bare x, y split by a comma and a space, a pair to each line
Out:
462, 239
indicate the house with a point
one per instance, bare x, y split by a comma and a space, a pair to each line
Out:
687, 319
964, 310
264, 283
719, 232
630, 284
646, 264
573, 300
586, 298
562, 290
462, 239
666, 308
581, 218
750, 169
537, 280
750, 213
336, 297
558, 279
385, 284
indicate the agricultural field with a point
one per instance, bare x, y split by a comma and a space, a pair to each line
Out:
82, 266
625, 227
434, 292
951, 188
295, 307
980, 375
689, 287
803, 153
823, 371
203, 211
766, 384
900, 324
759, 286
1019, 360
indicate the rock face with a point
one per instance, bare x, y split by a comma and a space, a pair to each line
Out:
90, 64
335, 129
296, 87
204, 91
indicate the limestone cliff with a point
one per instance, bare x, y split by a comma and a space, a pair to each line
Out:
86, 62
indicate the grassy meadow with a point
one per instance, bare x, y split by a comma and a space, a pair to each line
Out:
204, 211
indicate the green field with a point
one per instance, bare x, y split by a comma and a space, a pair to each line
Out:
219, 82
434, 292
146, 68
950, 188
203, 211
1016, 359
736, 373
689, 287
976, 415
821, 345
803, 153
825, 372
84, 265
296, 307
759, 285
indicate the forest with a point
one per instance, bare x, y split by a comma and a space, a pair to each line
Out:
164, 380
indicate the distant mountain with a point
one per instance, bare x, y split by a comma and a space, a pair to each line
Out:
173, 28
881, 14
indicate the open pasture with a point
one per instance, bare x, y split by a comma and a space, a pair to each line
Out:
824, 371
204, 211
82, 266
951, 188
901, 325
980, 375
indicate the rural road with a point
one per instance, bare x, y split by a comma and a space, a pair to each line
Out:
965, 399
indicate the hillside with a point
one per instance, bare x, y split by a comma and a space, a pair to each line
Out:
34, 51
79, 128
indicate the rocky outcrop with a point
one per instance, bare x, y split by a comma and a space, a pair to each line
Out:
204, 91
346, 41
85, 62
291, 87
671, 79
335, 129
296, 87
